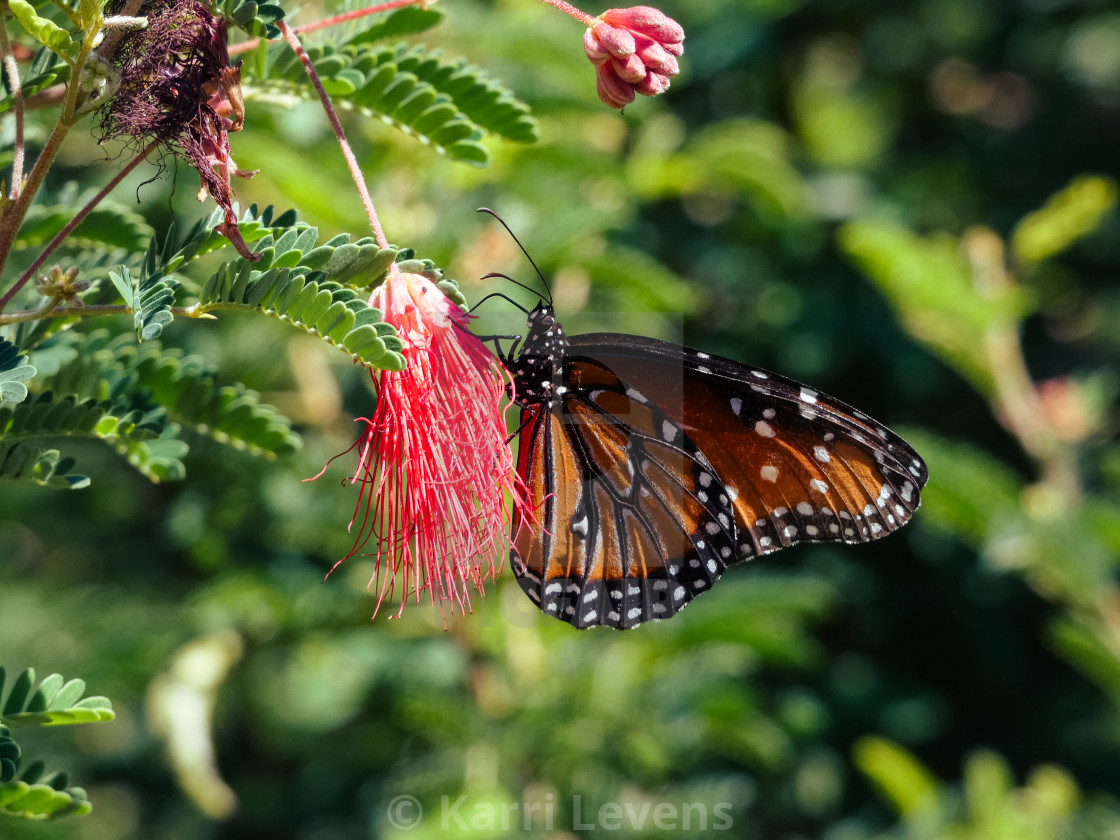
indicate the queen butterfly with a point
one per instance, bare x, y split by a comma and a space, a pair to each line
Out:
651, 467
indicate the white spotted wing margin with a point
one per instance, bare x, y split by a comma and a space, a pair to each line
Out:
630, 523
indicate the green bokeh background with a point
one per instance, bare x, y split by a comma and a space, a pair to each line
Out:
805, 198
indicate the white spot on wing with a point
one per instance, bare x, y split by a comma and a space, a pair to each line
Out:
769, 473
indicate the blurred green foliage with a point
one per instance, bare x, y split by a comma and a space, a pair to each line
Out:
909, 205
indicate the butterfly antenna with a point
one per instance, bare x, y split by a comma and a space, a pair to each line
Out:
511, 280
506, 298
502, 222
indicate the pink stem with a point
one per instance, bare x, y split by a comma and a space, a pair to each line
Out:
347, 152
73, 223
246, 46
568, 8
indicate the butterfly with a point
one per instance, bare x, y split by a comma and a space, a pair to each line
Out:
651, 467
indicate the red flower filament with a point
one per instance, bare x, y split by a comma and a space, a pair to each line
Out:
434, 464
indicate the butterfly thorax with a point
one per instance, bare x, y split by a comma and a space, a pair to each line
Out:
538, 368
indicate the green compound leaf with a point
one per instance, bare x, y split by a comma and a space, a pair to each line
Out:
195, 398
316, 288
14, 371
49, 34
175, 251
129, 423
150, 299
484, 100
26, 789
256, 19
324, 301
410, 20
100, 372
54, 702
100, 400
42, 801
47, 468
446, 104
108, 226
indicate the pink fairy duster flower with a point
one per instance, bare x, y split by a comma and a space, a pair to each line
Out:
634, 51
434, 462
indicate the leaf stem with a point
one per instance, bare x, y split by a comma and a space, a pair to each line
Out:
73, 223
347, 152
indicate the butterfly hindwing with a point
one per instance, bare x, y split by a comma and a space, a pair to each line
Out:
626, 531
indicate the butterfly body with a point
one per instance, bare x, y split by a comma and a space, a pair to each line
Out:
651, 467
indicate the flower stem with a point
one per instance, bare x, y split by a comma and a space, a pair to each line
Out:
248, 46
569, 9
347, 152
73, 223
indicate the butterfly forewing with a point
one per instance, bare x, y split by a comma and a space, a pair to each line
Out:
799, 465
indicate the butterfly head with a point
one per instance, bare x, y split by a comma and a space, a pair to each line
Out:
538, 368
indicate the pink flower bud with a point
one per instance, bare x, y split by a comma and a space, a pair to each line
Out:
646, 20
618, 42
658, 59
594, 48
634, 51
652, 85
611, 89
631, 70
